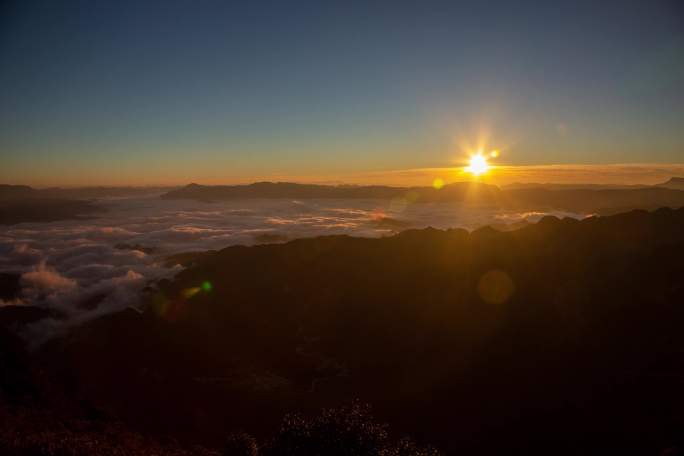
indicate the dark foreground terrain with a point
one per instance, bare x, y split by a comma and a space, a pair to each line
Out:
560, 338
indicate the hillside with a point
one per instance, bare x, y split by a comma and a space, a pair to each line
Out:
477, 342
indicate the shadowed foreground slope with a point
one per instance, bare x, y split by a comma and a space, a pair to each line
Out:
563, 337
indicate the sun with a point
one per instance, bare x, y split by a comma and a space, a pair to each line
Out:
478, 165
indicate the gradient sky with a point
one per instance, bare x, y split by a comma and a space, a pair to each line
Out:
136, 92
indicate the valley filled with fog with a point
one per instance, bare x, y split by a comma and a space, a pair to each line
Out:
94, 265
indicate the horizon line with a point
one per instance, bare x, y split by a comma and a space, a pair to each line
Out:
549, 174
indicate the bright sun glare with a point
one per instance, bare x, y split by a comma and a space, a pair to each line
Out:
478, 165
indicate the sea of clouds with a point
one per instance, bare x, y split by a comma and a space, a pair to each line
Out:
88, 267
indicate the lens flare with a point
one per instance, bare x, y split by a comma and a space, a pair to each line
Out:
496, 287
190, 292
438, 183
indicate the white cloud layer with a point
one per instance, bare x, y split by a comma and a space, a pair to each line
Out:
84, 269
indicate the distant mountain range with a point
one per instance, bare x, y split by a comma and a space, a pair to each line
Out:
24, 191
16, 191
571, 198
19, 209
19, 203
676, 183
452, 192
551, 186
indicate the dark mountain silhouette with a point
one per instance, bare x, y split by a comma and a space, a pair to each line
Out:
24, 191
24, 204
36, 209
676, 183
20, 203
454, 192
552, 186
15, 191
561, 337
103, 192
604, 201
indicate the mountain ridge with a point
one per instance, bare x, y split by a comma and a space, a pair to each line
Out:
599, 200
476, 342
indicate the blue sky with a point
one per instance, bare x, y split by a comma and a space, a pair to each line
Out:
176, 91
